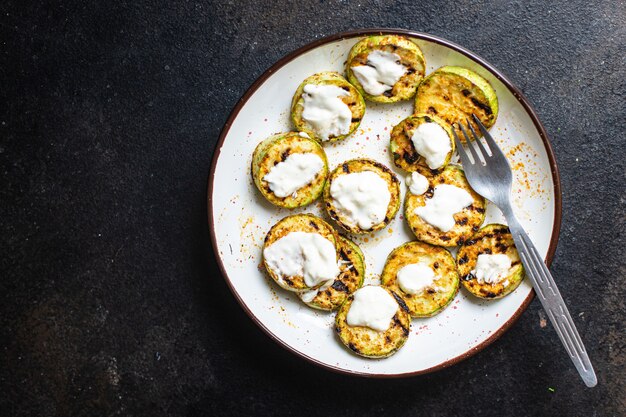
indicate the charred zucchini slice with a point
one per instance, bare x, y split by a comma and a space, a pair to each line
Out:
409, 55
341, 214
454, 94
403, 151
350, 96
491, 239
296, 223
352, 265
278, 148
433, 298
467, 221
371, 343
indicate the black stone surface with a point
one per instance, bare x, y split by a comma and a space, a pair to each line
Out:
111, 301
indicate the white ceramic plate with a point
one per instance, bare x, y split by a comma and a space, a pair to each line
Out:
239, 217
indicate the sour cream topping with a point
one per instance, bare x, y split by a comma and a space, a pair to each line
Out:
308, 255
415, 278
417, 183
324, 110
296, 171
372, 307
308, 296
439, 210
361, 198
382, 72
432, 142
491, 269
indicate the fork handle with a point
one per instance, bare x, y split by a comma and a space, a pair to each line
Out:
551, 299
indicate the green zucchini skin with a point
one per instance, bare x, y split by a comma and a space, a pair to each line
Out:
401, 147
370, 343
468, 220
297, 223
410, 56
454, 94
360, 165
354, 101
431, 301
349, 280
276, 149
491, 239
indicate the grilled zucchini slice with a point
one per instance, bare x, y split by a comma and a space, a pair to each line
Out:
353, 100
352, 265
371, 343
276, 149
491, 239
355, 166
445, 286
410, 55
401, 146
467, 221
297, 223
454, 94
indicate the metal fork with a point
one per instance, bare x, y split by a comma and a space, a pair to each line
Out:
492, 179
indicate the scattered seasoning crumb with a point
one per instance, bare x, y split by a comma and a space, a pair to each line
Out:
542, 319
551, 389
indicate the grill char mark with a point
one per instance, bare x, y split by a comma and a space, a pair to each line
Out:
400, 301
410, 157
340, 286
468, 277
397, 322
485, 107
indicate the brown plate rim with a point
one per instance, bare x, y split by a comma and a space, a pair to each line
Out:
427, 37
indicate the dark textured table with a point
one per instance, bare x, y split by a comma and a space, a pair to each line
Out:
111, 300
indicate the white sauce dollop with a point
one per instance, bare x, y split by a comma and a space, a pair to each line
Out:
415, 278
372, 307
298, 170
361, 198
308, 296
324, 110
439, 210
491, 269
432, 142
308, 255
417, 183
382, 72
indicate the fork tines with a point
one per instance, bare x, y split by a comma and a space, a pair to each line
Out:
492, 150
